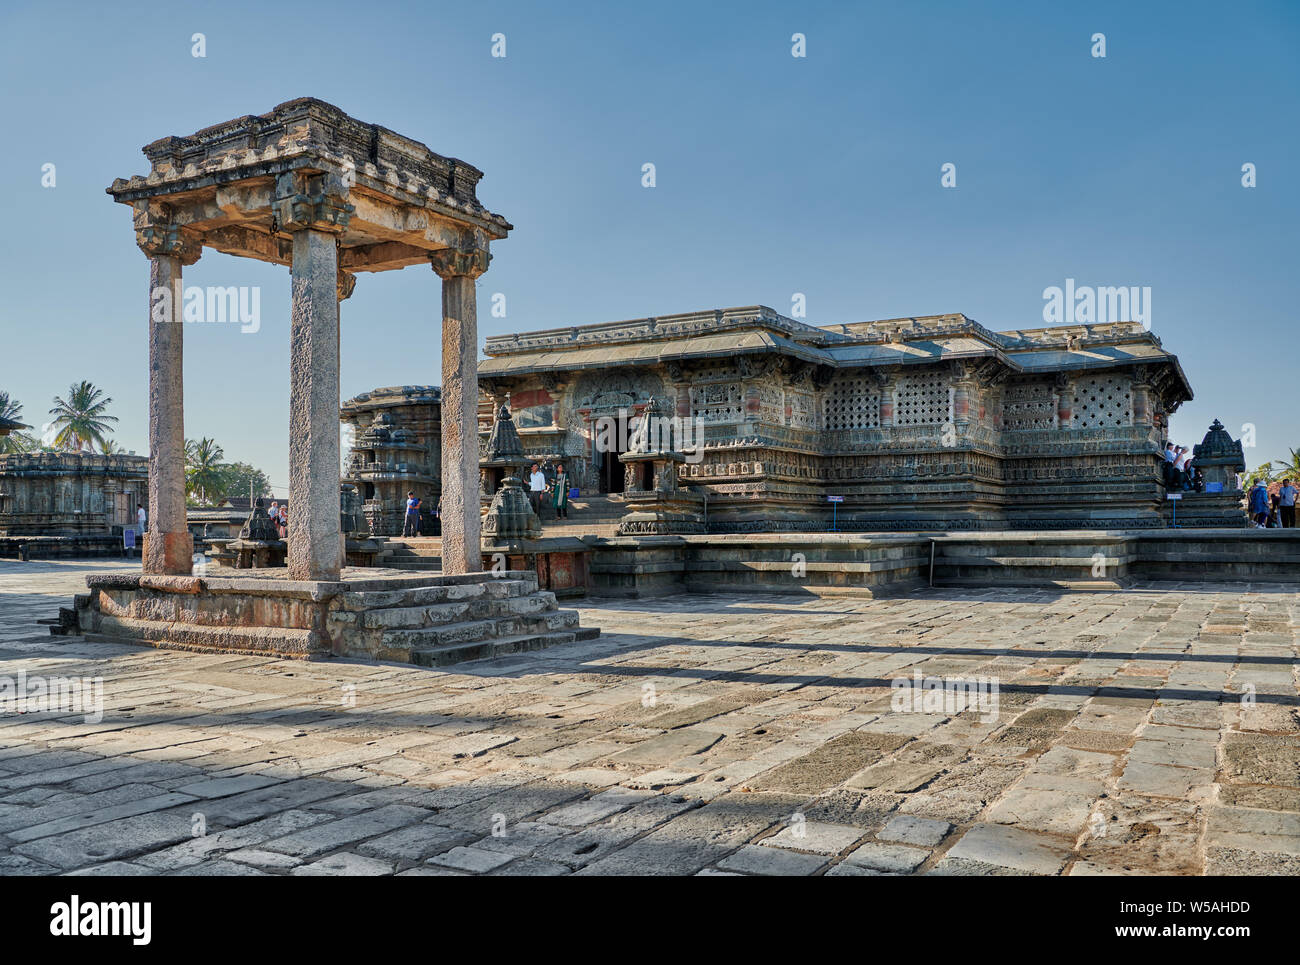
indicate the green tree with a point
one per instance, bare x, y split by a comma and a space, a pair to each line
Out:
1287, 468
238, 477
203, 470
1258, 474
12, 409
82, 419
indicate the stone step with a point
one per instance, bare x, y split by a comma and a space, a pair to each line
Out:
65, 624
442, 614
263, 641
519, 583
488, 649
473, 631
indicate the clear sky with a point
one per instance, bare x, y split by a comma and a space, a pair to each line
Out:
775, 175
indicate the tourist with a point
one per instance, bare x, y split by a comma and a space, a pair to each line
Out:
411, 526
536, 486
560, 496
1286, 503
1169, 464
1257, 504
1181, 467
141, 517
282, 522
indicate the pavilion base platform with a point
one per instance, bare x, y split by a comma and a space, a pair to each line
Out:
428, 620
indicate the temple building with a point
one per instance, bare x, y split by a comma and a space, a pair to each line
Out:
396, 448
71, 503
913, 423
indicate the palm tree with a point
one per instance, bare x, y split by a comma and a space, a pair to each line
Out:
12, 410
1287, 468
204, 473
81, 420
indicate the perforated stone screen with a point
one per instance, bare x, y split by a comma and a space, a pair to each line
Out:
1100, 401
852, 404
923, 399
718, 402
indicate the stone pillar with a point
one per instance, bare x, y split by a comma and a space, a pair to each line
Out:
313, 209
458, 270
169, 547
1064, 401
346, 284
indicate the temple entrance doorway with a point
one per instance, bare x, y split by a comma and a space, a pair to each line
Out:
611, 441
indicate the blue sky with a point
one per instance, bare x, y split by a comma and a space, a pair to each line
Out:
775, 175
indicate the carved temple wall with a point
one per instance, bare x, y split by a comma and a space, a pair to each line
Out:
71, 494
954, 444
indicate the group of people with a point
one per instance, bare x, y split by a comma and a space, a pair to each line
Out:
1180, 475
414, 506
1271, 510
550, 483
280, 518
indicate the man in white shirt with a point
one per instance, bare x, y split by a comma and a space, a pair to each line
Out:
1286, 504
536, 486
140, 517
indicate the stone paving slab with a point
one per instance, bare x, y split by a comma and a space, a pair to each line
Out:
700, 734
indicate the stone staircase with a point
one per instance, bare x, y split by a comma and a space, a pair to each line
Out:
1066, 560
64, 625
595, 515
411, 553
436, 626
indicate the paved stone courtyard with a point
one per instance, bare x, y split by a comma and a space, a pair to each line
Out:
698, 735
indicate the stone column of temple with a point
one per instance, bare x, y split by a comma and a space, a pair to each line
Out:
886, 383
458, 270
169, 548
314, 210
343, 289
1064, 401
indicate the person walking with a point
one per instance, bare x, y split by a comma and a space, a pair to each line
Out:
560, 497
1257, 504
536, 486
141, 517
411, 525
1286, 504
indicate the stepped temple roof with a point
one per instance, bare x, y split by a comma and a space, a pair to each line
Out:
724, 333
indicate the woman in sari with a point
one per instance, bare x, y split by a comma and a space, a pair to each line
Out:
560, 492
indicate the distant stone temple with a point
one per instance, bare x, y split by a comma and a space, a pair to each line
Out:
82, 499
914, 423
396, 449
